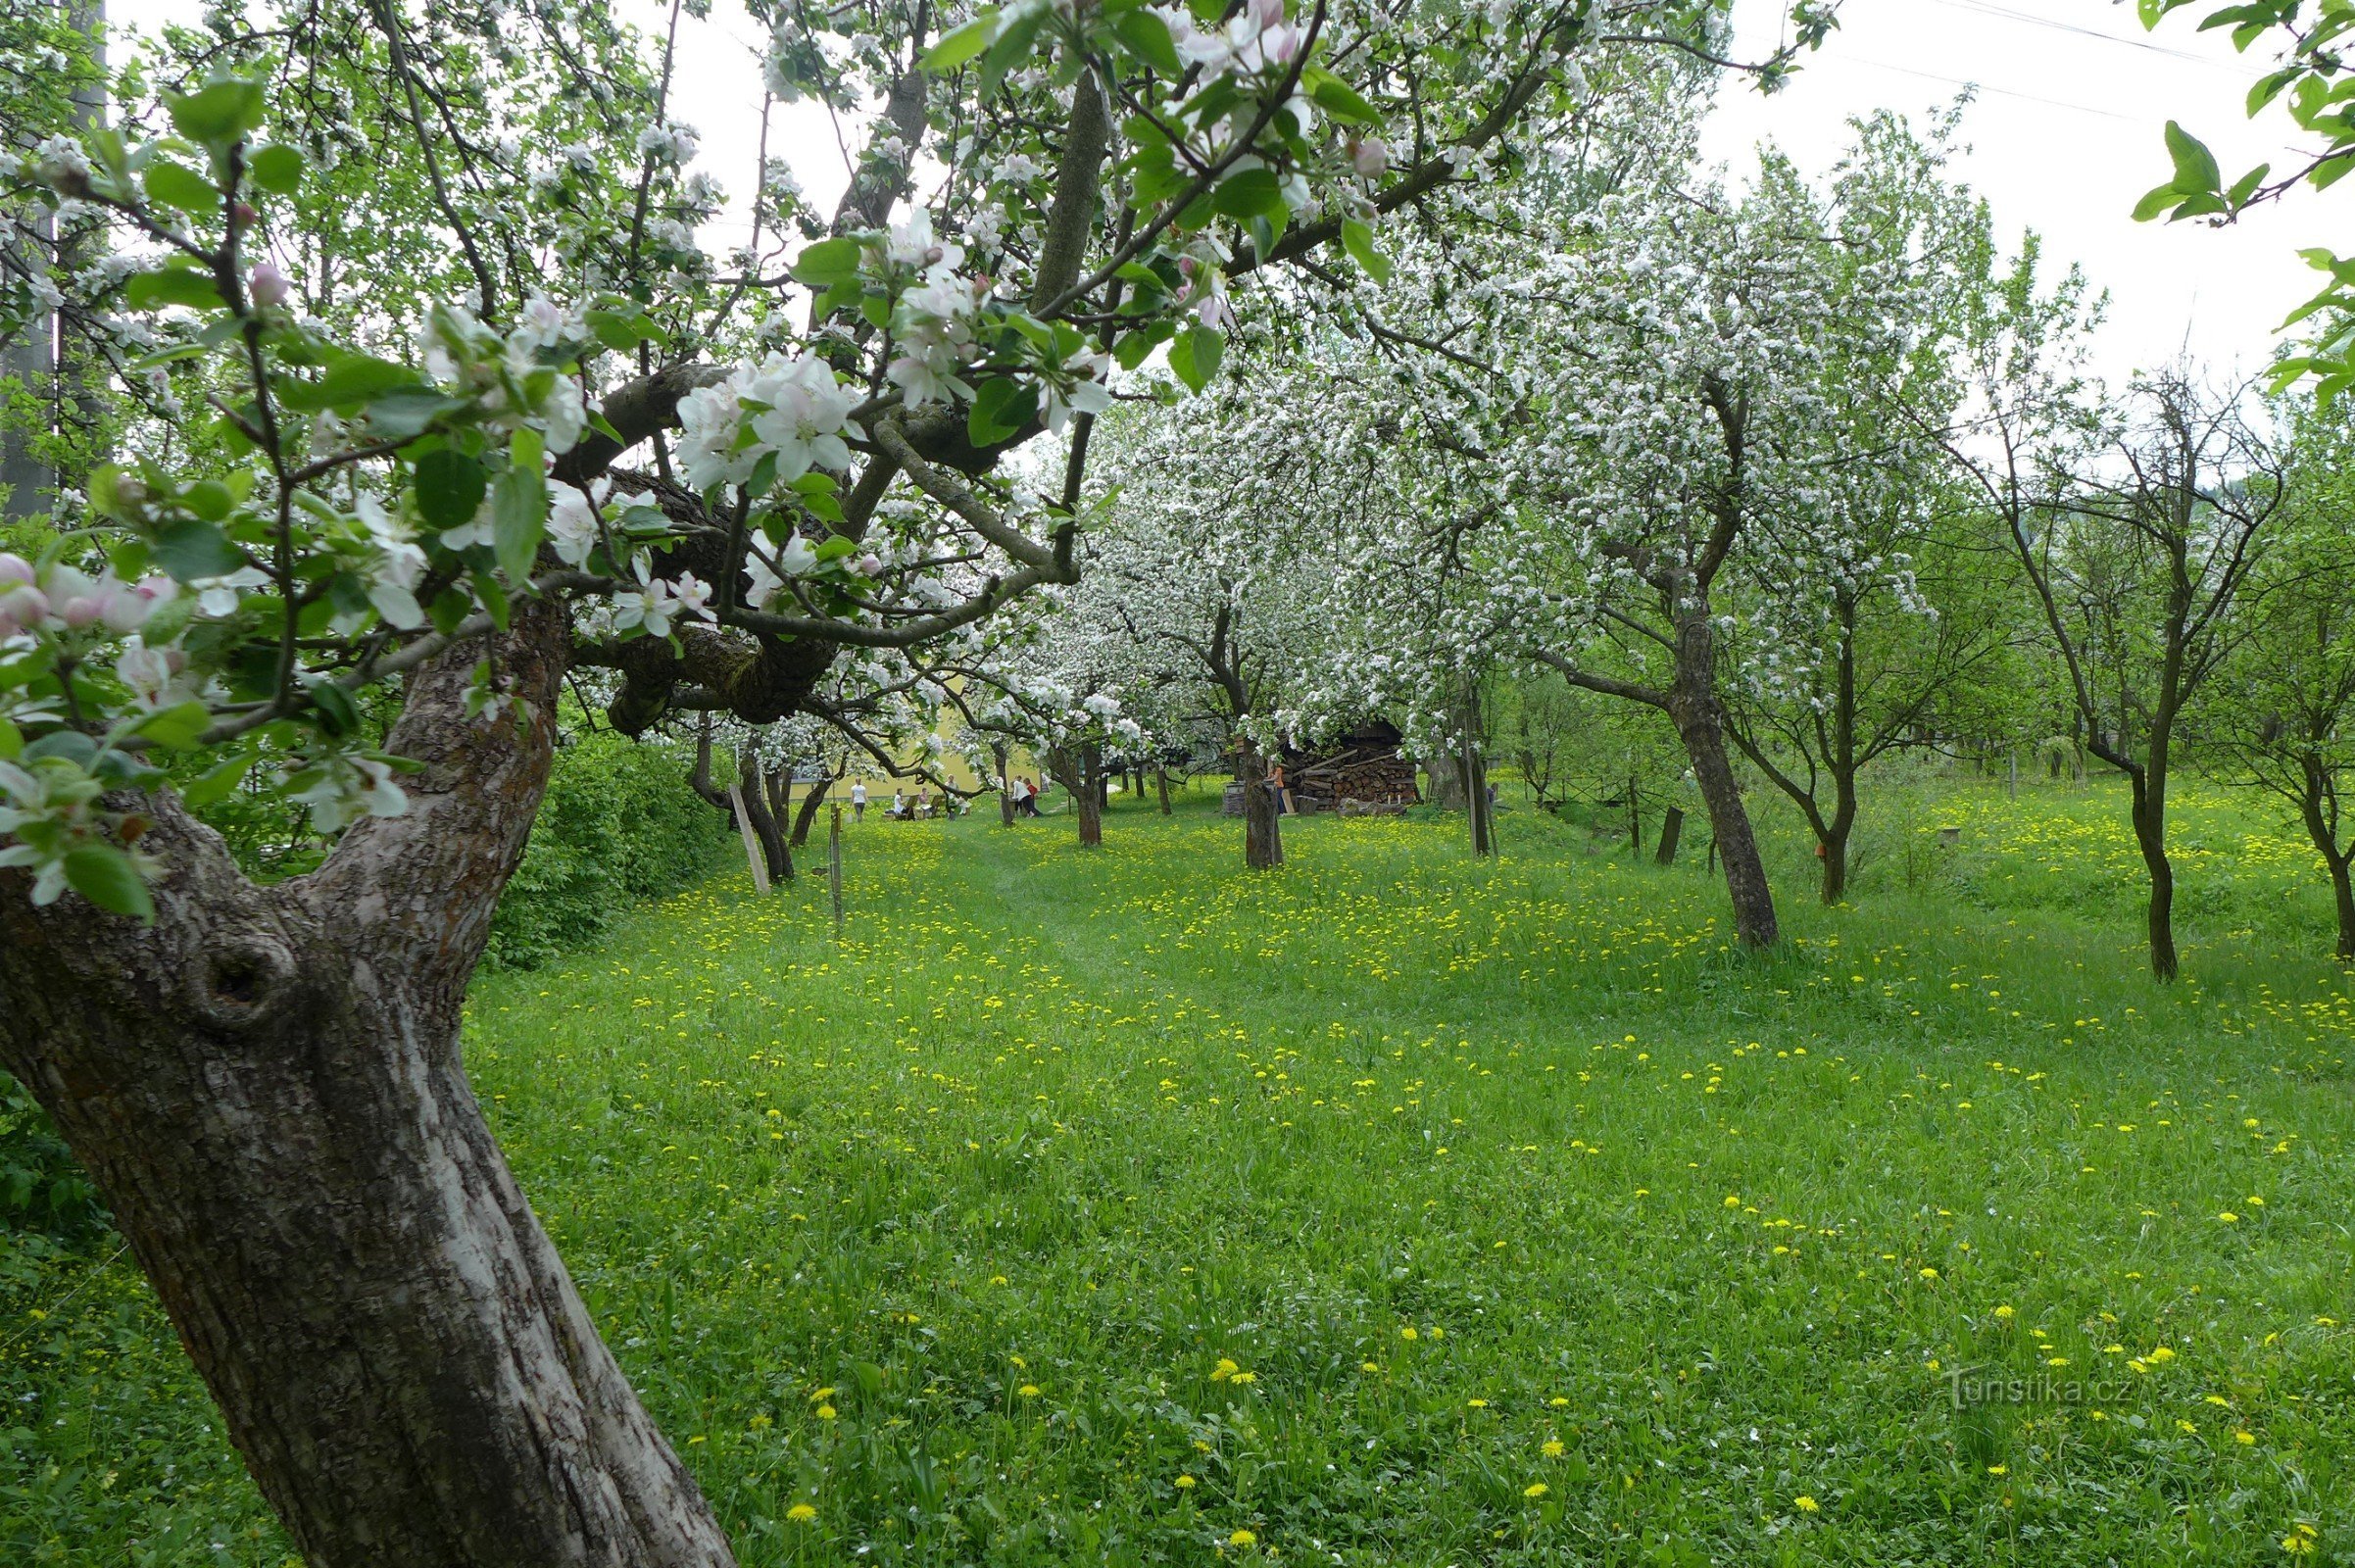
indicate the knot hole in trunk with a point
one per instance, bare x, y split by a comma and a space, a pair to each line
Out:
240, 981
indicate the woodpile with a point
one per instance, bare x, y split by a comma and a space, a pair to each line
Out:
1365, 768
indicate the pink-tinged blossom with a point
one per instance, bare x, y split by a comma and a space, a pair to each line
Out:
269, 285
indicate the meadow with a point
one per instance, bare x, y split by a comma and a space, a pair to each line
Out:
1398, 1208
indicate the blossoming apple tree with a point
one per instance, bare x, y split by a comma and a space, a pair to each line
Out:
435, 391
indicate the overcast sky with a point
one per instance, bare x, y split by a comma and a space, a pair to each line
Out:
2064, 137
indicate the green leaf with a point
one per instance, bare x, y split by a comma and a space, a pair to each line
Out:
12, 740
276, 167
1196, 354
213, 785
1250, 193
173, 285
1341, 101
828, 263
338, 713
354, 378
1146, 36
1001, 407
1358, 240
178, 727
190, 548
405, 412
2195, 167
450, 487
2156, 201
1013, 47
519, 507
962, 44
217, 115
180, 188
104, 874
622, 331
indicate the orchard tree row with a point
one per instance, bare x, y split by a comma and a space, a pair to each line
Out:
1242, 367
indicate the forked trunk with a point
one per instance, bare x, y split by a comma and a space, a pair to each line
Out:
753, 785
1262, 824
266, 1085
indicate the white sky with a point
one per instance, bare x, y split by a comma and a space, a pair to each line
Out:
2064, 138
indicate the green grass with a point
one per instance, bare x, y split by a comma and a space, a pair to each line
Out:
1097, 1208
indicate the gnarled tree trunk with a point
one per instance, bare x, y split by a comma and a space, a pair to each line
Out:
1262, 823
266, 1085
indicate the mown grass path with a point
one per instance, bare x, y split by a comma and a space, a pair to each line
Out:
1398, 1209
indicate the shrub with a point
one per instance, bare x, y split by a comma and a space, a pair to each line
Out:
619, 824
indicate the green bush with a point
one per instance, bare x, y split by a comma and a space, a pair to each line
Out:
619, 824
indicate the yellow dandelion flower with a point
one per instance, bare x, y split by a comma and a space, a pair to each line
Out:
1028, 1390
1806, 1505
2245, 1439
1552, 1447
801, 1513
1184, 1483
1535, 1489
1224, 1370
1242, 1537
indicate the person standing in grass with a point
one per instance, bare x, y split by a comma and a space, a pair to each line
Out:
859, 799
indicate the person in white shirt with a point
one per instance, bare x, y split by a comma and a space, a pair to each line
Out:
858, 799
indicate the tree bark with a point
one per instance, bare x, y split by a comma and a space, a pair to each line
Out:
1087, 798
1161, 775
1262, 824
266, 1085
2150, 836
753, 782
1701, 723
1005, 794
808, 811
1672, 828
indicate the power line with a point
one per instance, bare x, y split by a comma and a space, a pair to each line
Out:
1984, 87
1987, 8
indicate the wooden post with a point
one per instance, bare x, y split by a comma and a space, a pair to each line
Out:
752, 840
1671, 826
834, 867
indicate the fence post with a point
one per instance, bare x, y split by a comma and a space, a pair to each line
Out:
834, 867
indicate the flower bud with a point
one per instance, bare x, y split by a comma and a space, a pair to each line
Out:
1369, 156
270, 286
24, 607
14, 569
